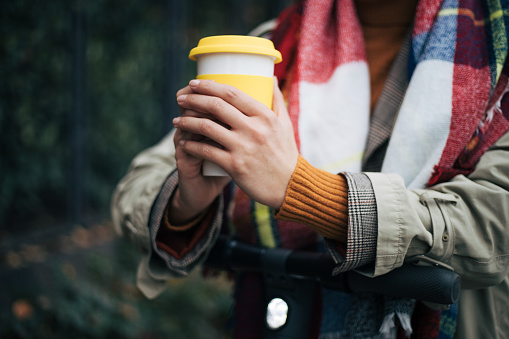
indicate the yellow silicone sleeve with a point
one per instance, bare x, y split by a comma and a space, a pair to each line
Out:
259, 87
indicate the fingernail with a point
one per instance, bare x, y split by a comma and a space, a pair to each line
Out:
182, 142
194, 83
176, 121
181, 98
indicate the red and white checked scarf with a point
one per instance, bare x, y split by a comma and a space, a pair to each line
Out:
455, 106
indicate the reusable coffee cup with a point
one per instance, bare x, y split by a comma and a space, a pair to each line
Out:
244, 62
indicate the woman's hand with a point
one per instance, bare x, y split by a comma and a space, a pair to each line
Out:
195, 193
254, 145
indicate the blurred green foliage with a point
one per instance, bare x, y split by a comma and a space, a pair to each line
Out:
128, 93
33, 103
134, 60
94, 296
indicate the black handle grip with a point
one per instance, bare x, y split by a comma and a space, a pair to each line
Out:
426, 283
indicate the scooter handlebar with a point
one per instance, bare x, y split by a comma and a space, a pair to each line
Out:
426, 283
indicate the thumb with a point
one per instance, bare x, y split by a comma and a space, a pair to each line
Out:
279, 107
278, 102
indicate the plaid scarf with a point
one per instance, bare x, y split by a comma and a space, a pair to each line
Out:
458, 48
454, 109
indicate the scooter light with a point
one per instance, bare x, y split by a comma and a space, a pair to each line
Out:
277, 313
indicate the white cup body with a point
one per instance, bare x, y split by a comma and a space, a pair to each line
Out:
235, 63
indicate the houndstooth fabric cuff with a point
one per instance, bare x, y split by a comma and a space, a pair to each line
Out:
362, 225
196, 255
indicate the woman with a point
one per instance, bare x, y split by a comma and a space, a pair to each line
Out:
390, 147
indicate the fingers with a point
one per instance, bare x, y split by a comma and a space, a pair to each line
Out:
180, 134
184, 91
205, 151
202, 128
213, 108
235, 97
195, 114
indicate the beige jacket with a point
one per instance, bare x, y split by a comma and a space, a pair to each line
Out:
463, 223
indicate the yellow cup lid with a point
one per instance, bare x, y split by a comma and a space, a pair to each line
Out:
235, 44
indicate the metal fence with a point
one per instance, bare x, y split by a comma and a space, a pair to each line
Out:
86, 85
108, 70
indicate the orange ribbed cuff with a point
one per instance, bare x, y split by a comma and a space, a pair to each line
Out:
184, 227
318, 199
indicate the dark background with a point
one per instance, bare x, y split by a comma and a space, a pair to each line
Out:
85, 86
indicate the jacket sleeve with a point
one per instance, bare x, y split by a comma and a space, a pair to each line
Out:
462, 223
131, 207
137, 209
137, 190
132, 204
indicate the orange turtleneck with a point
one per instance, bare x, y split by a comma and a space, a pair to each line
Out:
384, 26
